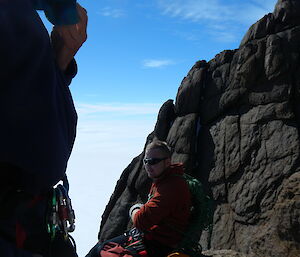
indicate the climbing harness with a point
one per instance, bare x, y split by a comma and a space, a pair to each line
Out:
136, 242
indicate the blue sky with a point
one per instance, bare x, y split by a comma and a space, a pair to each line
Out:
136, 55
139, 51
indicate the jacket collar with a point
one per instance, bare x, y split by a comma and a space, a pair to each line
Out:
176, 168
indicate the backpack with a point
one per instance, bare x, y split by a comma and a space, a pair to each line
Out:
201, 216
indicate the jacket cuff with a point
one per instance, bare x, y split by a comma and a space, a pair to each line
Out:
134, 207
62, 12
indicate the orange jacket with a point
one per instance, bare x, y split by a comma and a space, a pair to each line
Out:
168, 210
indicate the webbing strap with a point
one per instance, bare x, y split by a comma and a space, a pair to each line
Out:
20, 235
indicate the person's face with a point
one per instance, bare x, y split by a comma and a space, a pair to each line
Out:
155, 170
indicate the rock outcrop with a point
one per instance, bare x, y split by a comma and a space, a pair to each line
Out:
235, 125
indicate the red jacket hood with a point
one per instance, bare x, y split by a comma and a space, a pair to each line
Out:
176, 168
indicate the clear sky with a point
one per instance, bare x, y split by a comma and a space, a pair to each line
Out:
136, 55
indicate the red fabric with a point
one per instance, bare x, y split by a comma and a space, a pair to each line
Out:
20, 235
112, 249
35, 200
168, 210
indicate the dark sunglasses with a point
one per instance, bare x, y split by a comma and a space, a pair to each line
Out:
153, 161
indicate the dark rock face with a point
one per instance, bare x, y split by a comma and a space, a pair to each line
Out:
166, 117
235, 126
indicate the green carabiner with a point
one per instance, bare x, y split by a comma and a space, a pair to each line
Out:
52, 219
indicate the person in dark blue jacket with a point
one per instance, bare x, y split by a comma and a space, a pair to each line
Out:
38, 119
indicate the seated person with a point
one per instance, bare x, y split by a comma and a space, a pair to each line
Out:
165, 215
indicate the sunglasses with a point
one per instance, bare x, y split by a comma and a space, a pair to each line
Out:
153, 161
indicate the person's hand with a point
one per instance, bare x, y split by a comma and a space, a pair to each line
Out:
67, 39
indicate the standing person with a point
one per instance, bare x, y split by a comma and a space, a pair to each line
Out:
166, 213
38, 120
